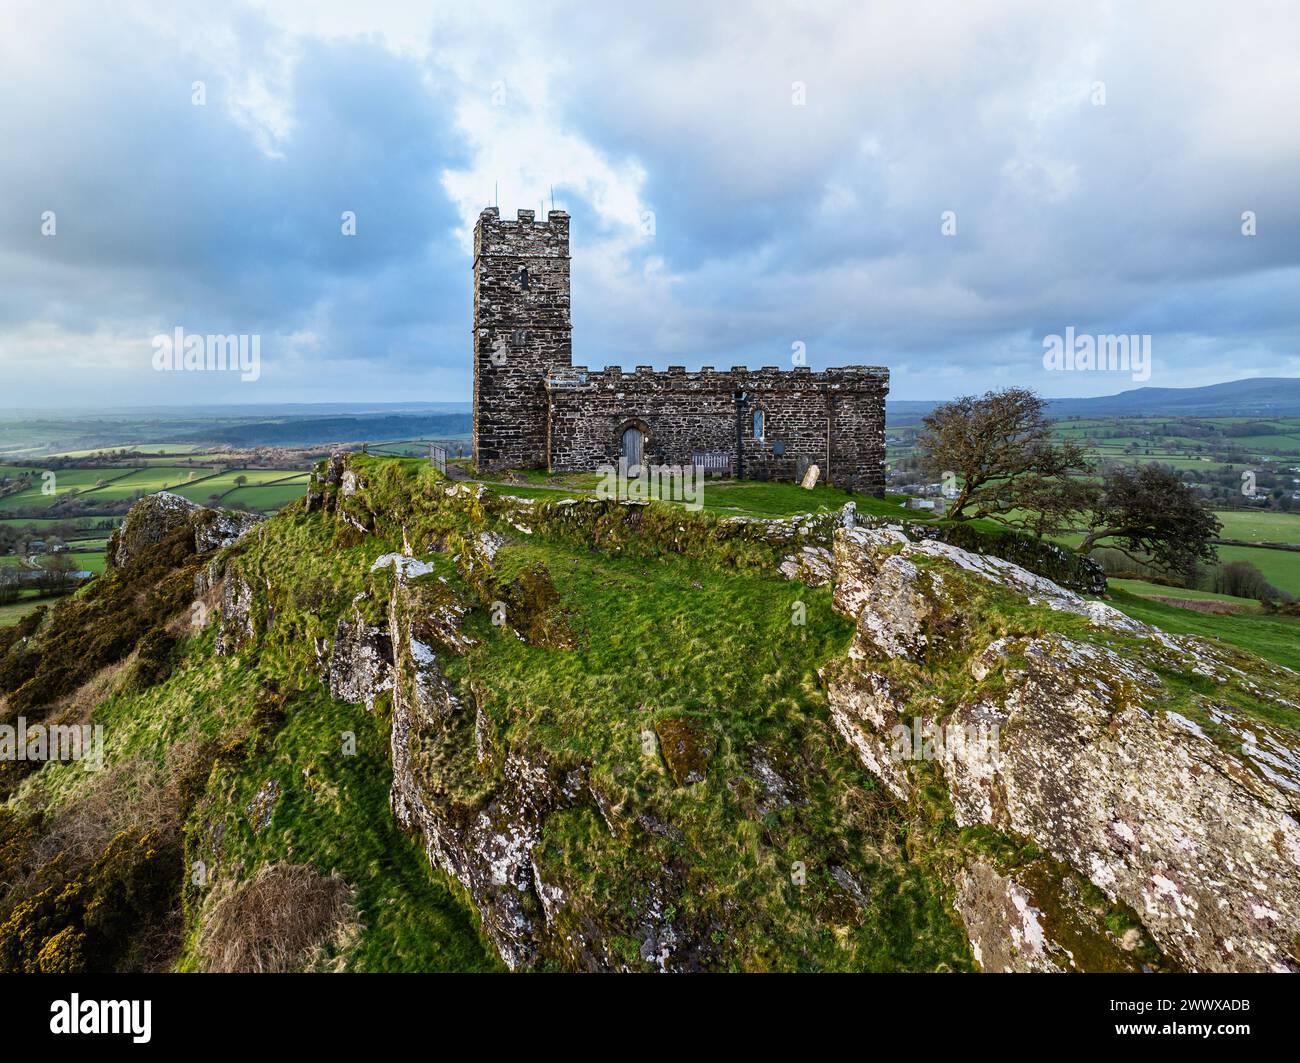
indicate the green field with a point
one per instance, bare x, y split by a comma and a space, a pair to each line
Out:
64, 480
15, 611
1260, 526
266, 490
268, 497
1156, 590
1276, 638
41, 523
149, 480
224, 483
1280, 567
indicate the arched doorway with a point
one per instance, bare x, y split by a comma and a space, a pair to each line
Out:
633, 446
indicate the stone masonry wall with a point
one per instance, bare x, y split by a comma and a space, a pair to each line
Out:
522, 331
835, 418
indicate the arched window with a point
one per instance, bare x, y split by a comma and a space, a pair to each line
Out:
758, 424
523, 278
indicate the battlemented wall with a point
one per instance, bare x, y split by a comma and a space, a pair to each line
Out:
834, 418
522, 331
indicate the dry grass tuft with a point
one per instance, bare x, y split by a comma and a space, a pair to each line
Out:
280, 920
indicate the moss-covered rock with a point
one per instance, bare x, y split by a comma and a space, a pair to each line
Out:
687, 747
156, 516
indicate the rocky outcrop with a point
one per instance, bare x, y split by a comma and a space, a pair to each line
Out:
484, 837
481, 818
1156, 768
1090, 793
157, 516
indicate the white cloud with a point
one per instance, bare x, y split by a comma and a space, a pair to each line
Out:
773, 221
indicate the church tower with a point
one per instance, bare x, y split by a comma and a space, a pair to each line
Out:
522, 332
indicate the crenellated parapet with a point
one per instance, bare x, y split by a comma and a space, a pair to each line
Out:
737, 378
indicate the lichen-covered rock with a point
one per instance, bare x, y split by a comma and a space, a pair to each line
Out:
217, 528
486, 845
1006, 930
1175, 797
237, 625
262, 807
148, 523
813, 565
361, 662
156, 516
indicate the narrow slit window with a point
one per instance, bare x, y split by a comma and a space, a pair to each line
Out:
758, 424
523, 279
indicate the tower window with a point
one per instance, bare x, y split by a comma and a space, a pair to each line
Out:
523, 279
758, 424
519, 338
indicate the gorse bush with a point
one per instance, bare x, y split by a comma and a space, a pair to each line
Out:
98, 626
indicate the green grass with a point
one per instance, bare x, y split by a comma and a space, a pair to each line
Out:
1271, 637
752, 499
677, 639
91, 562
15, 611
1147, 590
725, 498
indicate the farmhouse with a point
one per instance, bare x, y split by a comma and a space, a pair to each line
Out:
534, 409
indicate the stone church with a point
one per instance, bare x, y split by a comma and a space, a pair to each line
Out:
534, 409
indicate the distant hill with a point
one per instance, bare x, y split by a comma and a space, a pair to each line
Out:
1267, 396
1254, 397
33, 432
309, 431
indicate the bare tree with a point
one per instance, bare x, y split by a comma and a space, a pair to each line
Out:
995, 445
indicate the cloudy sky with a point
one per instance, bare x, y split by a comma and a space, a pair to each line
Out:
798, 162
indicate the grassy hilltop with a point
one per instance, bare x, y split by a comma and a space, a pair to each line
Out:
666, 671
